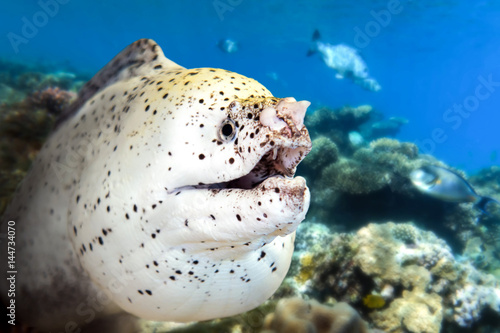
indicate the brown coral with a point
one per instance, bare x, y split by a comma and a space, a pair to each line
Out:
54, 100
415, 311
421, 281
299, 316
23, 128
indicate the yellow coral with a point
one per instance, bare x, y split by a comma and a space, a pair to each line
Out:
307, 266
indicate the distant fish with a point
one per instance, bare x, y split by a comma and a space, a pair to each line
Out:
446, 185
228, 45
346, 61
373, 301
273, 75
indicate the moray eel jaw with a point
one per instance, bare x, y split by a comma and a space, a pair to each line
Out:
278, 141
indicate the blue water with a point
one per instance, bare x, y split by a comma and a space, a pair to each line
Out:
428, 56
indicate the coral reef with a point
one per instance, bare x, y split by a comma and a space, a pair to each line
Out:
424, 287
54, 100
336, 124
30, 102
472, 299
312, 237
398, 277
487, 182
350, 126
488, 179
385, 162
323, 153
405, 233
357, 180
484, 255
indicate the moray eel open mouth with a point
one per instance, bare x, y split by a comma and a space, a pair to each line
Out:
284, 142
277, 162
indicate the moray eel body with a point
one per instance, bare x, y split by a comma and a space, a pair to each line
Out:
164, 192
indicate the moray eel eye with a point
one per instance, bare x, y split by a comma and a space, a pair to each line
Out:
227, 130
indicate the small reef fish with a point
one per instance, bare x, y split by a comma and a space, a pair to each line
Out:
165, 192
373, 301
346, 61
446, 185
228, 45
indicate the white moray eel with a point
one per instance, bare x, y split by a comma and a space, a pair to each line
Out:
164, 192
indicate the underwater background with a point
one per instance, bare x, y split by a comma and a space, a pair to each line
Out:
427, 57
370, 239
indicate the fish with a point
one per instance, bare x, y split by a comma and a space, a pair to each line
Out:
447, 185
345, 60
163, 192
374, 301
228, 45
